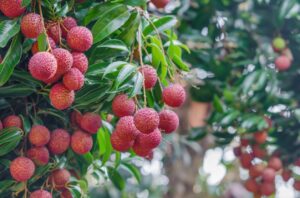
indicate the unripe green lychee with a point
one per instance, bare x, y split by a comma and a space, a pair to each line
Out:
12, 121
279, 44
40, 194
80, 61
67, 24
174, 95
22, 169
61, 98
32, 25
59, 141
35, 46
64, 60
40, 155
59, 178
118, 143
39, 135
11, 8
73, 79
146, 120
126, 129
282, 63
80, 38
168, 121
90, 122
81, 142
150, 76
123, 106
42, 66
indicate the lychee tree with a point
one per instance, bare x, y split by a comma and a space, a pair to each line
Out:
81, 83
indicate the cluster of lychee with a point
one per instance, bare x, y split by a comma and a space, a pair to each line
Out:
160, 3
262, 172
284, 60
141, 129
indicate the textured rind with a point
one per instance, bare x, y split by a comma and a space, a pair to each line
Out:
80, 39
160, 3
282, 63
122, 106
149, 141
80, 61
12, 121
246, 160
150, 76
260, 137
42, 66
126, 129
22, 169
91, 122
268, 175
66, 194
59, 141
75, 118
35, 46
11, 8
73, 79
168, 121
53, 79
256, 170
275, 163
31, 25
174, 95
60, 177
140, 150
81, 142
119, 144
64, 60
40, 194
55, 32
39, 135
39, 155
267, 189
251, 185
67, 24
146, 120
61, 97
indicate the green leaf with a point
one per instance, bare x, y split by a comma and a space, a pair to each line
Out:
125, 72
133, 170
218, 104
42, 42
9, 139
160, 25
138, 80
8, 29
6, 184
25, 2
197, 134
16, 90
100, 11
113, 67
116, 178
135, 2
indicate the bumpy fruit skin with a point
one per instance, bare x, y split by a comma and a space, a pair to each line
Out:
42, 66
146, 120
174, 95
64, 60
80, 39
260, 137
258, 151
59, 141
251, 185
297, 185
282, 63
61, 97
11, 8
268, 175
246, 160
91, 122
55, 32
22, 169
12, 121
39, 135
126, 129
149, 141
40, 155
81, 142
256, 170
59, 178
73, 79
168, 121
35, 46
278, 44
275, 163
80, 61
118, 143
32, 25
141, 151
67, 24
53, 79
40, 194
123, 106
267, 188
66, 194
150, 76
160, 3
75, 118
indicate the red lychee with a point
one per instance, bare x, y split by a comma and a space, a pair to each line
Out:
237, 151
275, 163
256, 170
80, 61
160, 3
59, 178
40, 155
53, 79
149, 141
260, 137
73, 79
59, 141
126, 129
22, 169
91, 122
32, 25
168, 121
150, 76
39, 135
81, 142
12, 121
244, 142
174, 95
66, 194
42, 66
55, 32
258, 151
268, 175
80, 38
267, 188
282, 63
123, 106
251, 185
297, 185
35, 46
75, 118
246, 160
40, 194
64, 60
286, 175
141, 151
11, 8
61, 97
67, 24
146, 120
119, 144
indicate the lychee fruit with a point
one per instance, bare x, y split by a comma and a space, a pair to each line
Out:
297, 185
267, 189
22, 169
126, 129
244, 142
55, 32
12, 121
150, 76
35, 47
59, 141
81, 142
160, 3
118, 143
149, 141
256, 170
66, 194
40, 194
268, 175
260, 137
282, 63
40, 155
67, 24
73, 79
246, 160
174, 95
91, 122
39, 135
251, 185
258, 151
141, 151
275, 163
75, 118
286, 175
61, 97
168, 121
32, 25
42, 66
11, 8
146, 120
278, 44
123, 106
64, 60
80, 61
237, 151
80, 38
53, 79
59, 178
